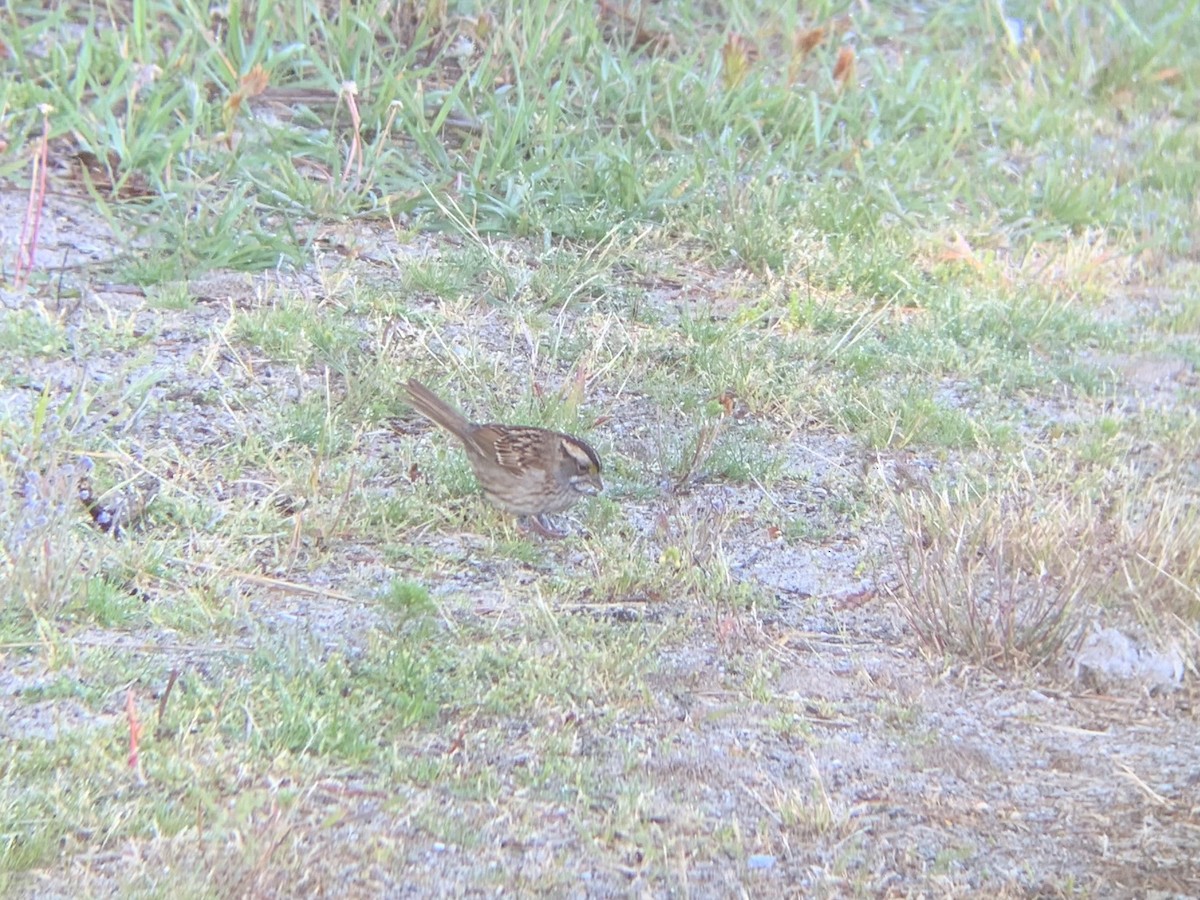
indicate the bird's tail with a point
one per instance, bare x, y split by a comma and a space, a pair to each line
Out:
437, 410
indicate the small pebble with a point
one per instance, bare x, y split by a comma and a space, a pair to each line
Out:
760, 861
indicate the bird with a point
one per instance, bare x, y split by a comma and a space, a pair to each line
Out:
527, 471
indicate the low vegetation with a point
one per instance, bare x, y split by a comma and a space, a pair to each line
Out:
882, 319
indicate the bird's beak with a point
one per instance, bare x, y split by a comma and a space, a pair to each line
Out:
591, 485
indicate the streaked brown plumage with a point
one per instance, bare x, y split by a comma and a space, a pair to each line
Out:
523, 470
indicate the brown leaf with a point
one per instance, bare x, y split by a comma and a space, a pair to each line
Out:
805, 42
735, 57
250, 85
253, 82
843, 69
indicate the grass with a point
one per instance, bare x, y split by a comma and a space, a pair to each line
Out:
854, 302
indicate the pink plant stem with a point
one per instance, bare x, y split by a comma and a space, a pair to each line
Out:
27, 248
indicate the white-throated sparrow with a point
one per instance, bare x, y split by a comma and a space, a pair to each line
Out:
523, 470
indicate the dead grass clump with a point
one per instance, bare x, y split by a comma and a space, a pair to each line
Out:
1159, 521
1155, 513
996, 578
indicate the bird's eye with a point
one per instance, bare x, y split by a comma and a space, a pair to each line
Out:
583, 457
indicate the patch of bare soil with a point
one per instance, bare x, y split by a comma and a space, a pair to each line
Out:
861, 767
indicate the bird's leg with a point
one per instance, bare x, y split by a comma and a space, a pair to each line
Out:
538, 524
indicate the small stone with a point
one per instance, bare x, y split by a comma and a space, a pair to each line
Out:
760, 861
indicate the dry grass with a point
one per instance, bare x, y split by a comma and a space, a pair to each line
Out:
996, 578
